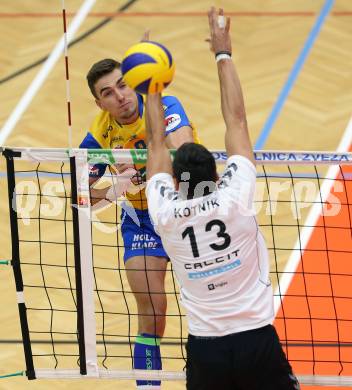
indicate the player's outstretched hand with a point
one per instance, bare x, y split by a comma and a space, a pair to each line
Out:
219, 27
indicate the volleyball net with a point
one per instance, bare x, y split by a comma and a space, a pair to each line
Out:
77, 312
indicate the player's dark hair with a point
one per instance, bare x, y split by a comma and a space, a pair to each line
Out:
200, 163
100, 69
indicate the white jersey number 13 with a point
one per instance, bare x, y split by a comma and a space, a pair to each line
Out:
208, 227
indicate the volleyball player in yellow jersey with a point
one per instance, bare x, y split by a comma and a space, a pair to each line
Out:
121, 124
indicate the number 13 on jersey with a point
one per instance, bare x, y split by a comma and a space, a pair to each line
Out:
212, 225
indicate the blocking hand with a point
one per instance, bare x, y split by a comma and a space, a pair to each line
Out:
219, 27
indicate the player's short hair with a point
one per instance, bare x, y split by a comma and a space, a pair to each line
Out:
199, 162
100, 69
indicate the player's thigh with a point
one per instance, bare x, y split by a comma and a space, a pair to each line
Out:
278, 374
262, 363
146, 274
209, 364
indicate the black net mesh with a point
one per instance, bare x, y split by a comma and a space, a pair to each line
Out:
304, 212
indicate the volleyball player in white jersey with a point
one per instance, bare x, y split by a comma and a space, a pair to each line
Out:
209, 230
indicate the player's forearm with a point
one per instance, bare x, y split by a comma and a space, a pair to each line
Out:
232, 103
97, 194
155, 122
237, 140
158, 161
158, 155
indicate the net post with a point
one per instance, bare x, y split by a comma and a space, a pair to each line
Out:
83, 262
77, 256
16, 261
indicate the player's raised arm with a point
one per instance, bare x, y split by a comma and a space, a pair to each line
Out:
237, 139
159, 159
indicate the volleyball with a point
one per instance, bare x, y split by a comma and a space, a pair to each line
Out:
147, 67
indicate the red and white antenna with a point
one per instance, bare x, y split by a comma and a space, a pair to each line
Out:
68, 94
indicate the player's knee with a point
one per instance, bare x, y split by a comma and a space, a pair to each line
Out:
149, 304
157, 309
151, 298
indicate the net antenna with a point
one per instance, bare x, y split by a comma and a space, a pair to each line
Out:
68, 93
43, 73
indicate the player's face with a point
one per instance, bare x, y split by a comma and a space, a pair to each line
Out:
116, 97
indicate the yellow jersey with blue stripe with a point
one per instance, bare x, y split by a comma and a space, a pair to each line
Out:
107, 133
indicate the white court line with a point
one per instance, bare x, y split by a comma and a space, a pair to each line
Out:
44, 71
311, 221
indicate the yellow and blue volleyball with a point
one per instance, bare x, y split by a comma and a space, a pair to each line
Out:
147, 67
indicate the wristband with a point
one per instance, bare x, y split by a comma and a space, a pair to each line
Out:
222, 56
221, 52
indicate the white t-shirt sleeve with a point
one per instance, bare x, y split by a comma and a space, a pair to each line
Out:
238, 180
160, 193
